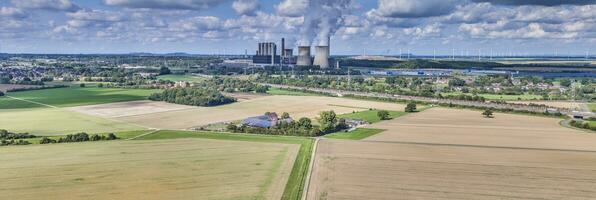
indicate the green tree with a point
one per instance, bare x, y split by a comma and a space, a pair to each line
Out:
383, 114
285, 115
328, 121
305, 123
488, 113
410, 107
164, 70
82, 85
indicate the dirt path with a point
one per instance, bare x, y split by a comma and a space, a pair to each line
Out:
34, 102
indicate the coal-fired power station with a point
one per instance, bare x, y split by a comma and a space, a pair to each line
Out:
266, 55
322, 56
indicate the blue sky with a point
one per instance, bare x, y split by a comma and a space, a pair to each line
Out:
355, 26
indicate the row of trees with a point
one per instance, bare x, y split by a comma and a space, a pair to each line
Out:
328, 123
192, 96
582, 124
6, 135
79, 137
14, 142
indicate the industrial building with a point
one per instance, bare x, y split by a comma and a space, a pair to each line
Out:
268, 55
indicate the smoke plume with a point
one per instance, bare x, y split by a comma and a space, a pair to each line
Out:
322, 19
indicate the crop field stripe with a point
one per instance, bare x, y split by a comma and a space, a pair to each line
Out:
480, 146
25, 100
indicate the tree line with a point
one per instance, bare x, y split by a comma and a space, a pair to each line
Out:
192, 96
78, 137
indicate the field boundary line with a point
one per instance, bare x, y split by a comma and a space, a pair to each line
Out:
479, 146
34, 102
144, 134
310, 169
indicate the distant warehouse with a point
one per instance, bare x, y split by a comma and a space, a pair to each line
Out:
267, 120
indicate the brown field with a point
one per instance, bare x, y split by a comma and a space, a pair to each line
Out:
557, 104
129, 108
457, 154
5, 87
377, 170
155, 169
304, 106
468, 127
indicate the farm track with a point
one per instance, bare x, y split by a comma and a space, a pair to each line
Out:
33, 102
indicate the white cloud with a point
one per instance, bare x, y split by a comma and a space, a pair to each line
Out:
415, 8
166, 4
246, 7
53, 5
12, 12
292, 8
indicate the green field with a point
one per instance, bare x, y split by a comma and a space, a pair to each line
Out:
278, 91
181, 77
592, 106
9, 103
358, 134
55, 121
501, 97
74, 96
295, 185
370, 115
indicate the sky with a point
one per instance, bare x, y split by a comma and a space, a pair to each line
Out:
354, 27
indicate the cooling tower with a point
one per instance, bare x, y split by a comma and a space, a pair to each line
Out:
304, 56
322, 56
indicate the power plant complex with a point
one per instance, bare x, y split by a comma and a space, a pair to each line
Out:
267, 55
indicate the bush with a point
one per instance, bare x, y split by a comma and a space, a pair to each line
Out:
4, 134
1, 93
410, 107
46, 140
383, 114
111, 136
82, 85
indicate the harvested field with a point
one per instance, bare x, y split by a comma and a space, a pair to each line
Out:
308, 106
468, 127
557, 104
128, 108
5, 87
147, 169
55, 121
244, 96
383, 170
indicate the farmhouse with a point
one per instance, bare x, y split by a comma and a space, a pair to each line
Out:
264, 121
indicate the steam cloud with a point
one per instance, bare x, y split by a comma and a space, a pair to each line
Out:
322, 19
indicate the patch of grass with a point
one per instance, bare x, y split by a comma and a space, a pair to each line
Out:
592, 106
181, 77
53, 121
358, 134
295, 185
370, 115
77, 96
279, 91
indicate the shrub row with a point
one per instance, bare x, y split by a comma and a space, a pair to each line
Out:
79, 137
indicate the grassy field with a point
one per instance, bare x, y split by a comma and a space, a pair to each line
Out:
370, 115
9, 103
147, 169
76, 96
358, 134
54, 121
502, 97
592, 106
180, 77
278, 91
295, 185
